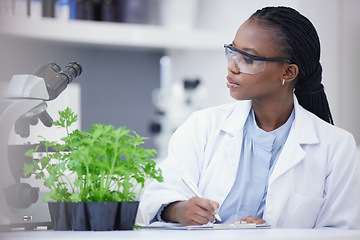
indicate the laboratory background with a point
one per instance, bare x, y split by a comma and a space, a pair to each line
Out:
150, 66
123, 64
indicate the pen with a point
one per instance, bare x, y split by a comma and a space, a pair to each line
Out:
193, 188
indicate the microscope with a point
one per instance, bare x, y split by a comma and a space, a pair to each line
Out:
174, 102
23, 103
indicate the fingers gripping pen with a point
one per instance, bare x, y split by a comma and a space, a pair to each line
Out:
193, 188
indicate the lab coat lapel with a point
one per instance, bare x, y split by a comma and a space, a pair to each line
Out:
233, 127
302, 132
291, 155
226, 167
235, 121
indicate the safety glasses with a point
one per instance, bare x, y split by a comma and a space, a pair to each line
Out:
247, 63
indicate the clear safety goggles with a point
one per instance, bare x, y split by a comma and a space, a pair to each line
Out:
247, 63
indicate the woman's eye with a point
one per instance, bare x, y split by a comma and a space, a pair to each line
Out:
248, 60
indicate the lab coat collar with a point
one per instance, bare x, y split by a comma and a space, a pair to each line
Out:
305, 133
235, 121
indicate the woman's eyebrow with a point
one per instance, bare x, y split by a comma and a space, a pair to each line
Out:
251, 50
247, 49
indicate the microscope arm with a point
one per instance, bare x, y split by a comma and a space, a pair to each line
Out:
24, 95
24, 102
14, 111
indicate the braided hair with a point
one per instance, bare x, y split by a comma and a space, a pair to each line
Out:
298, 40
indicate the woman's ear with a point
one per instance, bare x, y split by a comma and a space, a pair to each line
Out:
291, 73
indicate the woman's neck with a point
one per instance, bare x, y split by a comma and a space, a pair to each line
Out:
271, 115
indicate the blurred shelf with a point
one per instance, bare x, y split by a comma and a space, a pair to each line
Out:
108, 34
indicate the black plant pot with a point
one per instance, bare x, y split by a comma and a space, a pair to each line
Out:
93, 216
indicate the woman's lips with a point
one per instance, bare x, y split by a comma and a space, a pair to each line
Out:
231, 83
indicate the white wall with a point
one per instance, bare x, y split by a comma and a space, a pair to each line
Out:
349, 63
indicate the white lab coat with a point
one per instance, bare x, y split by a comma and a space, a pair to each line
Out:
315, 183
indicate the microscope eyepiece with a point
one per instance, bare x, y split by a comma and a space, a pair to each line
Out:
71, 71
56, 80
54, 67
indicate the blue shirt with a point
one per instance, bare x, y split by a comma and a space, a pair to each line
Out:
260, 150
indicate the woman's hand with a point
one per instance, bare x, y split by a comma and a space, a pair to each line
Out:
250, 219
195, 211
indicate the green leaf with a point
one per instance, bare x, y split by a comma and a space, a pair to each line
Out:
46, 197
41, 175
28, 169
50, 181
67, 118
44, 161
75, 197
29, 153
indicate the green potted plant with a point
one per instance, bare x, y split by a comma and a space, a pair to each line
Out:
93, 176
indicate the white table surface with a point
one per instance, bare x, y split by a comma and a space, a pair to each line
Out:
162, 234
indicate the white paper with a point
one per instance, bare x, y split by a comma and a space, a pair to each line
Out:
208, 226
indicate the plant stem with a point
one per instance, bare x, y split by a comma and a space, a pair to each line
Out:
110, 173
102, 182
69, 182
87, 180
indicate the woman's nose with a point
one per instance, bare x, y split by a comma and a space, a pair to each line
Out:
232, 67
